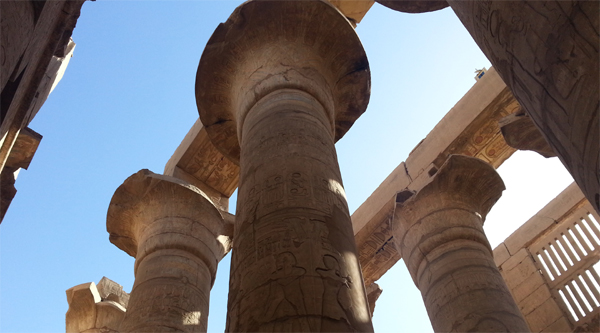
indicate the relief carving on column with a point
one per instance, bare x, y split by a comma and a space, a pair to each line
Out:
178, 237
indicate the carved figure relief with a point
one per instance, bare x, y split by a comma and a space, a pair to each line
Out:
336, 298
284, 298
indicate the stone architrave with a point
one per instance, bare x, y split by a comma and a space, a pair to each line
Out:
547, 53
176, 235
280, 82
439, 232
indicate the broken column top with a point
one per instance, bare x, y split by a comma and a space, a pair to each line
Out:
145, 197
464, 180
267, 46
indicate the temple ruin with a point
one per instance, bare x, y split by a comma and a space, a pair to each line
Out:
277, 85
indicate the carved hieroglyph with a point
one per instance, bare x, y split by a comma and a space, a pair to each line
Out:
547, 53
277, 84
439, 232
177, 237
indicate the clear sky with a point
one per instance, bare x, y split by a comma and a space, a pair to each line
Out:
127, 100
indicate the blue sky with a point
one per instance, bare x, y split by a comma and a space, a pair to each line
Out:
127, 100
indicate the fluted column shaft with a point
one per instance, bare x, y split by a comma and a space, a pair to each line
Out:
172, 230
295, 266
439, 232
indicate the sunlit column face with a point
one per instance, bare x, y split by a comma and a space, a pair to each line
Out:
439, 232
294, 266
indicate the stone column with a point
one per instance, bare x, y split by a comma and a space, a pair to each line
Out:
176, 235
277, 84
439, 232
547, 53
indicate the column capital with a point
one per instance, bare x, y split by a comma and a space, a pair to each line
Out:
414, 6
267, 46
439, 232
463, 182
146, 197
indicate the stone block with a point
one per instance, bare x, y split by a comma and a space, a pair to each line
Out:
560, 326
82, 301
518, 268
534, 300
109, 290
109, 316
544, 315
501, 254
528, 285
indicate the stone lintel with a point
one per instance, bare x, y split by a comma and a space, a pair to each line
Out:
20, 156
354, 10
414, 6
469, 128
258, 50
24, 148
520, 132
109, 290
198, 162
145, 197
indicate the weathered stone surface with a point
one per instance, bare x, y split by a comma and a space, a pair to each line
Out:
518, 269
562, 325
546, 313
414, 6
109, 316
109, 290
534, 300
547, 53
373, 293
24, 149
89, 312
501, 254
520, 133
527, 286
82, 301
439, 232
176, 235
20, 157
277, 84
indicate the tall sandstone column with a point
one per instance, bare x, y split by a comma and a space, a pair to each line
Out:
439, 232
547, 53
277, 84
175, 234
